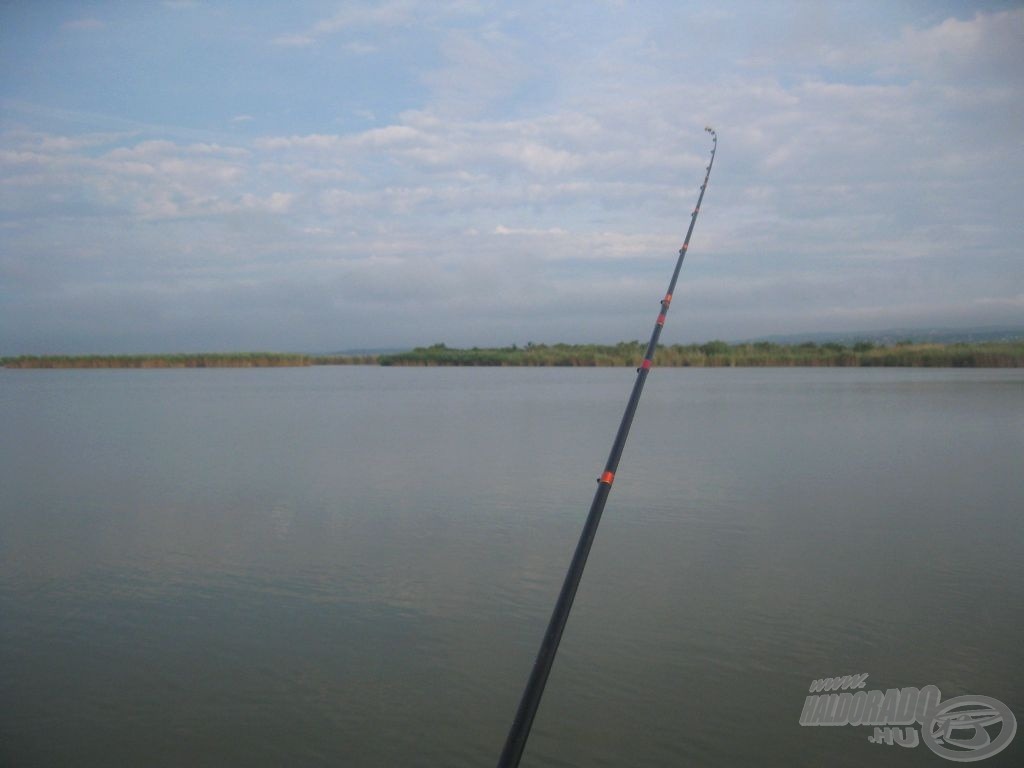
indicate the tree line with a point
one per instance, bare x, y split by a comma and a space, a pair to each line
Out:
205, 360
719, 354
713, 354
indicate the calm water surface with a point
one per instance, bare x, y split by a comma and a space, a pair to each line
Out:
354, 566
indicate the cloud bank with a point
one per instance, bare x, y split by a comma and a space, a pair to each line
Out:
511, 178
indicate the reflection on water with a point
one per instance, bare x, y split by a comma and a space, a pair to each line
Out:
353, 566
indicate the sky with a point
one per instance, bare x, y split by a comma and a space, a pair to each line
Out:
324, 176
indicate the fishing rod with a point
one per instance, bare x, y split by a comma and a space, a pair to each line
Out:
520, 730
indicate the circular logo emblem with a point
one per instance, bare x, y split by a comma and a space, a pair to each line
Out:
968, 728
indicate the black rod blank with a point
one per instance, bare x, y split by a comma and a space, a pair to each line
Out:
520, 730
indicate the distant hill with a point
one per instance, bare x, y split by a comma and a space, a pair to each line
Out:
891, 336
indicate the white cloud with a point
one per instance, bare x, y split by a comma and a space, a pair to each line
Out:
359, 48
276, 202
386, 14
985, 47
482, 69
988, 44
294, 41
313, 141
501, 229
83, 24
841, 192
352, 16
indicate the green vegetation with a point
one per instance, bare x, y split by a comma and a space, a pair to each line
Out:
227, 360
343, 360
713, 354
721, 354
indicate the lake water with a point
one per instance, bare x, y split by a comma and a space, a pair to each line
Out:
354, 566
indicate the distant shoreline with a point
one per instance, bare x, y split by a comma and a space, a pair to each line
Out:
198, 360
713, 354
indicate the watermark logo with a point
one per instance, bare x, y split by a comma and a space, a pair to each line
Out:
962, 729
969, 728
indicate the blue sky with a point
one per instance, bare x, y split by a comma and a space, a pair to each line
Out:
318, 176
